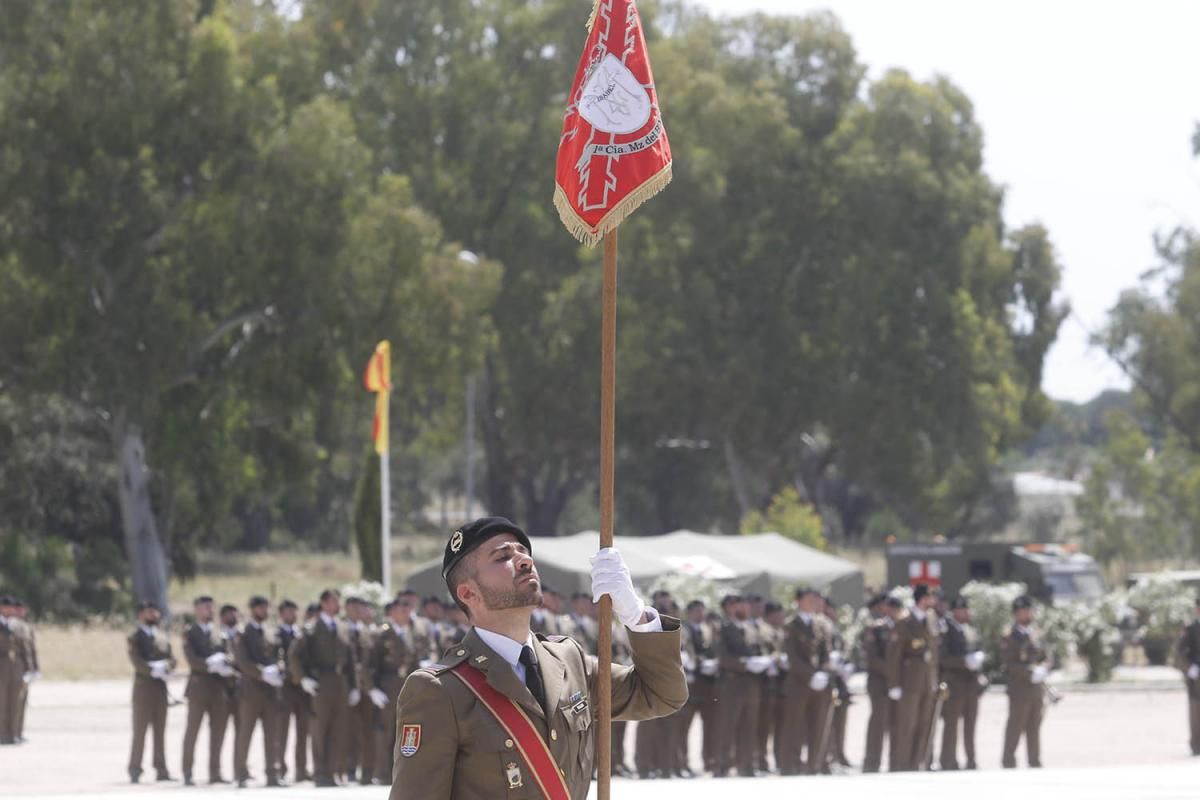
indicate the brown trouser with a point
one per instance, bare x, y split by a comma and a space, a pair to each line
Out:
701, 701
837, 737
364, 738
804, 726
769, 715
11, 686
299, 705
617, 754
329, 731
650, 746
257, 702
387, 735
961, 704
205, 696
737, 721
149, 711
1194, 724
1024, 717
879, 722
914, 716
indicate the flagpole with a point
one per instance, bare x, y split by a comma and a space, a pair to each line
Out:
385, 501
608, 404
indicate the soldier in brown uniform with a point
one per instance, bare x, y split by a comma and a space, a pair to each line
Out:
210, 663
260, 660
362, 745
961, 663
873, 647
404, 645
1189, 662
1026, 668
912, 679
297, 704
547, 618
451, 743
33, 668
655, 746
325, 668
772, 709
14, 666
149, 651
806, 691
741, 660
701, 652
842, 667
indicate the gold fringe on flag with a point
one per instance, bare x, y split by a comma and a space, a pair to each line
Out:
592, 17
590, 236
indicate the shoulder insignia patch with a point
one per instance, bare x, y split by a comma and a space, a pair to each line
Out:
410, 740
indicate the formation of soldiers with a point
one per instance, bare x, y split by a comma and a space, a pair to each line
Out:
770, 688
18, 668
328, 683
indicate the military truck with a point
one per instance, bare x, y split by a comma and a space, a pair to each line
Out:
1050, 571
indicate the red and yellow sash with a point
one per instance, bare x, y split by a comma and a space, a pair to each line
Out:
520, 729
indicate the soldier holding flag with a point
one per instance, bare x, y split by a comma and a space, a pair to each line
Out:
505, 709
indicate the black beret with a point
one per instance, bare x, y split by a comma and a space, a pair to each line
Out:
258, 600
877, 600
1024, 601
288, 604
202, 599
730, 598
18, 602
7, 600
142, 606
959, 602
473, 534
894, 602
772, 607
920, 591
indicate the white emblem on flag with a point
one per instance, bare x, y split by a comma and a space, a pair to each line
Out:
613, 100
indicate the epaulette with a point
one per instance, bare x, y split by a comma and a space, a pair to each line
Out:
434, 669
551, 637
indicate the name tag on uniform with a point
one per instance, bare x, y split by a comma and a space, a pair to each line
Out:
578, 702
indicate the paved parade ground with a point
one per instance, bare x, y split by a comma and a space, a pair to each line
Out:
1118, 742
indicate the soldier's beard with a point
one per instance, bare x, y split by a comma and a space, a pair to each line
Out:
519, 595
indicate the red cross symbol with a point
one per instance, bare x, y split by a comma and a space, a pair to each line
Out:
926, 572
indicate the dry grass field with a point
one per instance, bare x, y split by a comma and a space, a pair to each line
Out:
97, 651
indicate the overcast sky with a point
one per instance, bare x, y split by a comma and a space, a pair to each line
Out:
1088, 111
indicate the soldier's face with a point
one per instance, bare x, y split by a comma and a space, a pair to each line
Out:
331, 606
696, 615
259, 613
204, 612
401, 613
962, 615
1024, 616
288, 616
505, 576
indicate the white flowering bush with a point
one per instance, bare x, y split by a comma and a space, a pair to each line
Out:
991, 613
1163, 607
686, 588
370, 591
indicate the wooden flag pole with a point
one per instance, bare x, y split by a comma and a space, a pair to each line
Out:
608, 406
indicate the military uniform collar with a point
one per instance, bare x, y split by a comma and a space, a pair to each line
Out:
149, 630
475, 650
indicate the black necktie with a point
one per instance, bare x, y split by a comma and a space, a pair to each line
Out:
533, 678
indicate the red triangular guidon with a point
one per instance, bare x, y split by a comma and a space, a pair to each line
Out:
614, 154
529, 743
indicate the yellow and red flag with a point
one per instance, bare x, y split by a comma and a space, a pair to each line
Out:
378, 378
614, 154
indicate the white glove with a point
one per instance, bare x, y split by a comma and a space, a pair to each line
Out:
974, 661
271, 676
310, 685
215, 661
378, 697
1193, 672
28, 678
689, 663
895, 693
611, 577
708, 667
355, 697
226, 670
783, 662
159, 670
847, 670
1038, 675
757, 664
835, 658
819, 682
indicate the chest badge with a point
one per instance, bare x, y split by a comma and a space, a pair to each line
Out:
513, 773
410, 740
578, 702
